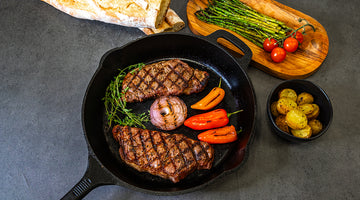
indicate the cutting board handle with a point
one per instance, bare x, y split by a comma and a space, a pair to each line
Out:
244, 61
94, 176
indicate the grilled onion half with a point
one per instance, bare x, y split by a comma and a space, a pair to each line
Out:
168, 112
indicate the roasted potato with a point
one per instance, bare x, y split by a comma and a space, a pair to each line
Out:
316, 126
304, 98
281, 123
274, 110
288, 93
315, 113
306, 108
296, 119
284, 105
296, 113
306, 132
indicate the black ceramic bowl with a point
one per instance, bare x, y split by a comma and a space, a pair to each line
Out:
320, 98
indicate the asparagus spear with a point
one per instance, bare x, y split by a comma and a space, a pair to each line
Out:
242, 19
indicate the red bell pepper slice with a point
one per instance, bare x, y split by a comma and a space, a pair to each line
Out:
221, 135
213, 119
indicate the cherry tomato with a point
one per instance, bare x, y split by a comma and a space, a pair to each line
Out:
299, 37
269, 44
291, 44
278, 54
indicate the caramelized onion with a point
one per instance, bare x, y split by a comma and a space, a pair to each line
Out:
168, 112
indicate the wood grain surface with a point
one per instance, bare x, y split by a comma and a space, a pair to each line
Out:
298, 65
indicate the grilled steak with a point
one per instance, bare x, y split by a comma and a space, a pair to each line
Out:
170, 156
171, 77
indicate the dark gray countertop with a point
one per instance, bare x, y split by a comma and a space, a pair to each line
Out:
47, 59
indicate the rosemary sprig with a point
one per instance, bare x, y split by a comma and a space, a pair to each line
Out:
115, 105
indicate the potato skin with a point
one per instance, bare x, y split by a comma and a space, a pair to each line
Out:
316, 126
315, 113
306, 132
274, 110
296, 119
281, 123
306, 108
284, 105
304, 98
288, 93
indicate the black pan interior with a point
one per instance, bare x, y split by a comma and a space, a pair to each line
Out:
198, 53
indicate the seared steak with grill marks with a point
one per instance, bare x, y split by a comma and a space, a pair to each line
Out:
170, 156
171, 77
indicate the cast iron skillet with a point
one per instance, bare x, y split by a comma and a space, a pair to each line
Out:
104, 164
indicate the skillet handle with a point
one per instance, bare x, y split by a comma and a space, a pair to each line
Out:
244, 61
94, 176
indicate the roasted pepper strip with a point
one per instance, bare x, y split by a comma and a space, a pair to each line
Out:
213, 119
221, 135
215, 96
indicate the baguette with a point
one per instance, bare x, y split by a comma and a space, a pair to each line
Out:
172, 23
131, 13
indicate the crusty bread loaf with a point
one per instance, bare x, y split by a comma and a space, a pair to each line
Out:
132, 13
172, 23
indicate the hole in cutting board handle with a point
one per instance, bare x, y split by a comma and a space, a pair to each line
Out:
236, 47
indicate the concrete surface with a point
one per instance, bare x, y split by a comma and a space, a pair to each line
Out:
47, 59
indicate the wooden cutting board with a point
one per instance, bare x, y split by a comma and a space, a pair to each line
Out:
298, 65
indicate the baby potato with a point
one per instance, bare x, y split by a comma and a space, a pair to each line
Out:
314, 114
281, 123
306, 132
306, 108
304, 98
288, 93
284, 105
274, 110
316, 126
296, 119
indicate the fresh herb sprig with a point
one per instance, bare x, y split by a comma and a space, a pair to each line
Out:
244, 20
115, 104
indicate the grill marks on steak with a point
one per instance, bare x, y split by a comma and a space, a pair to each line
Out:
171, 77
170, 156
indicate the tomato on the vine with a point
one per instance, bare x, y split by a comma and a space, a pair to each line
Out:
299, 37
291, 44
269, 44
278, 54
